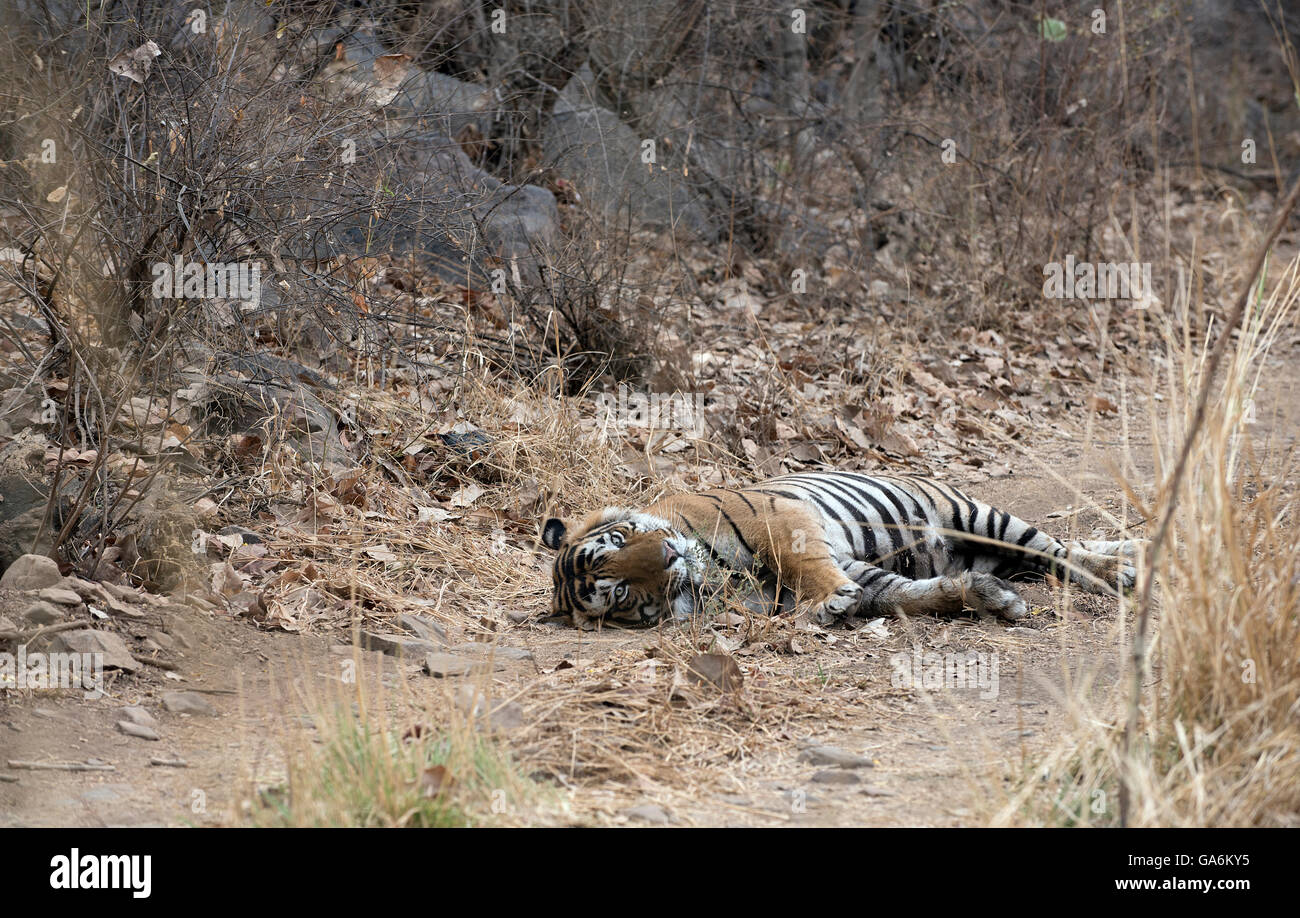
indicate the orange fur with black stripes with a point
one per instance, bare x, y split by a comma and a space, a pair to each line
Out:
839, 543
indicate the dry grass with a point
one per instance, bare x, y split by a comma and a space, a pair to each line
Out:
1218, 744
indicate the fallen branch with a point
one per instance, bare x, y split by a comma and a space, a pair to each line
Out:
59, 766
26, 637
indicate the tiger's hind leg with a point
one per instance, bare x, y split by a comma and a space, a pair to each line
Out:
1094, 566
1111, 564
886, 593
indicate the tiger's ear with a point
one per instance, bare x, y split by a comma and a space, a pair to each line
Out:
553, 533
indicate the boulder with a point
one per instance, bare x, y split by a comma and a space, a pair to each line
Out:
31, 572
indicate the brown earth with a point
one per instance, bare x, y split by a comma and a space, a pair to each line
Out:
936, 757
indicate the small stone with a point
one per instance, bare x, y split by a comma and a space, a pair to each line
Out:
835, 757
138, 715
44, 613
188, 703
398, 645
7, 624
140, 730
493, 650
182, 633
86, 640
446, 664
649, 812
60, 595
422, 626
163, 639
31, 572
472, 702
835, 777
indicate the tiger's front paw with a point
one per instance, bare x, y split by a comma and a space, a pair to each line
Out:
838, 605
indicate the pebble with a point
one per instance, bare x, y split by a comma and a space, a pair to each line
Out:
422, 626
446, 664
86, 640
398, 645
835, 757
494, 650
837, 776
140, 730
61, 596
44, 613
138, 715
649, 812
187, 703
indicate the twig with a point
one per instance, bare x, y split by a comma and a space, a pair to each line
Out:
26, 637
59, 766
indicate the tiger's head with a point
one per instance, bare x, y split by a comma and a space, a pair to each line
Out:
622, 567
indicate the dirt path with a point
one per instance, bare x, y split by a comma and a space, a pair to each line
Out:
917, 757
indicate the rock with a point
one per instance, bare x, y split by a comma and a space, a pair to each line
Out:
398, 645
835, 777
44, 613
455, 217
22, 514
493, 650
138, 715
87, 640
422, 626
188, 703
140, 730
446, 664
472, 702
7, 624
649, 812
601, 155
181, 631
61, 596
270, 406
31, 572
834, 757
163, 639
449, 105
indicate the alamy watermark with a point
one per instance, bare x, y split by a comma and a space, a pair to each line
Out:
180, 279
934, 671
654, 410
75, 870
1098, 280
25, 671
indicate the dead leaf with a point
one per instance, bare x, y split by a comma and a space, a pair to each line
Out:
466, 495
136, 63
1102, 405
716, 669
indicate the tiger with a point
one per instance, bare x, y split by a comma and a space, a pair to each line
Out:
830, 544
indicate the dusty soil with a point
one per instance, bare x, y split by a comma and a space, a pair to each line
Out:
934, 757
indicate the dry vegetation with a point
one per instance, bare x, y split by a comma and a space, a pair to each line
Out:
381, 434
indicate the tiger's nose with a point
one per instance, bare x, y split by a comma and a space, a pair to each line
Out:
670, 554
